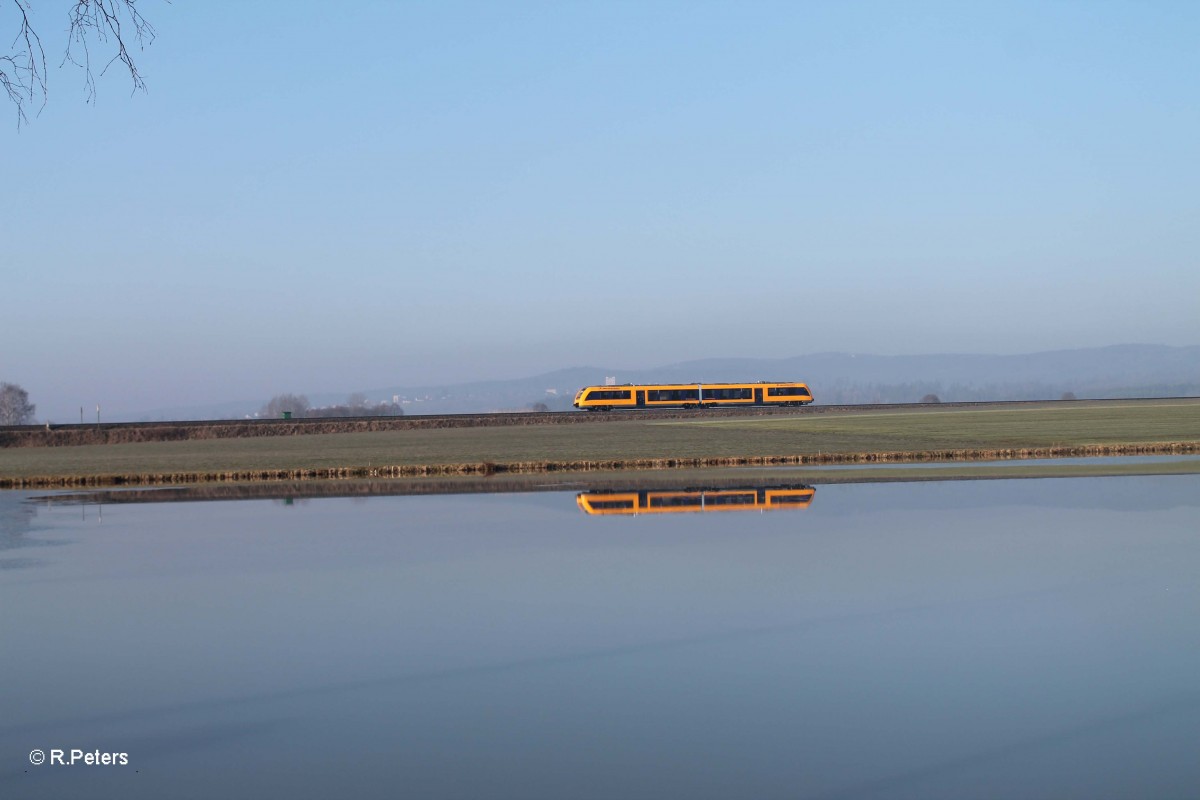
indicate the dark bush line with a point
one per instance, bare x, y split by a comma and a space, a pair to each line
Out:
124, 433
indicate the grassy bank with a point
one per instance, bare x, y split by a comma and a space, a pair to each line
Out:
706, 441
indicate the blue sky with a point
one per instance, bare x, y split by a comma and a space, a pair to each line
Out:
318, 197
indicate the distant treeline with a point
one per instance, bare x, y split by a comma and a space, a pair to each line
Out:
380, 410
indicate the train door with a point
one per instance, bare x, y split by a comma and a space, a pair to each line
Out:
758, 396
641, 398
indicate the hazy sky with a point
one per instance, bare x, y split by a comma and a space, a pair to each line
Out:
324, 197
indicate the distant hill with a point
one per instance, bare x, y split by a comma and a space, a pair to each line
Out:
1119, 371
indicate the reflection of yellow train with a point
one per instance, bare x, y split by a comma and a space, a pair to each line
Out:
674, 501
692, 395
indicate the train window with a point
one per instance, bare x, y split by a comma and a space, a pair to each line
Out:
787, 391
608, 394
743, 499
687, 501
610, 505
673, 395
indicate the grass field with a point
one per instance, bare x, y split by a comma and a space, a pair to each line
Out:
1020, 427
710, 436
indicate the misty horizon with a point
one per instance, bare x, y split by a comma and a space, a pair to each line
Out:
836, 377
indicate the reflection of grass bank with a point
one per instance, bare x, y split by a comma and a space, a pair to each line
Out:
655, 479
1169, 426
544, 468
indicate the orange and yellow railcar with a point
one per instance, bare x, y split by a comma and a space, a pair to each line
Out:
692, 395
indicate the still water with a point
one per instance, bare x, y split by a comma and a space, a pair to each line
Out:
1019, 638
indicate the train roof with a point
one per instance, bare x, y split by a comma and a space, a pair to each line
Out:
697, 383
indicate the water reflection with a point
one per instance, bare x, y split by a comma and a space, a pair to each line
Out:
951, 640
16, 521
680, 501
17, 526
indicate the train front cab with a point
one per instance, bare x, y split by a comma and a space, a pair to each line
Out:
602, 398
786, 394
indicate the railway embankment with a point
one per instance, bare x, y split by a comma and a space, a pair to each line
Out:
72, 435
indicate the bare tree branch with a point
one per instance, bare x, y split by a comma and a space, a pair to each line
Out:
23, 71
114, 24
107, 19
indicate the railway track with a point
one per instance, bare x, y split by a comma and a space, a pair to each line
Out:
175, 430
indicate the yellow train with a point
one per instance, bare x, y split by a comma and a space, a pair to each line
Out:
675, 501
692, 395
